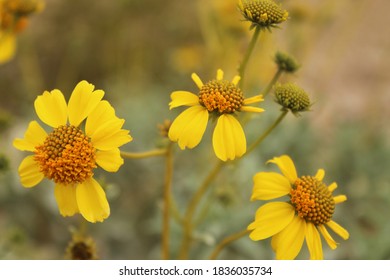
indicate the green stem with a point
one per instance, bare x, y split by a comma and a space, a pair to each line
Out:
244, 63
226, 242
187, 221
250, 149
188, 218
167, 201
273, 81
153, 153
266, 133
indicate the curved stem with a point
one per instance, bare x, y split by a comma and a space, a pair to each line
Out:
226, 241
167, 201
187, 221
272, 82
244, 63
266, 133
152, 153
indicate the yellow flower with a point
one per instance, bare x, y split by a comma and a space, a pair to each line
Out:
220, 98
310, 208
14, 19
69, 153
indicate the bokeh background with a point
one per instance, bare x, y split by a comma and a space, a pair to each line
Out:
138, 52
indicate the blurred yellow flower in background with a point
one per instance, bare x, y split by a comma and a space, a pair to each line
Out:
69, 153
13, 20
220, 98
310, 208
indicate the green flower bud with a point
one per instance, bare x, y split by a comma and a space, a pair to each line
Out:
262, 13
286, 62
292, 98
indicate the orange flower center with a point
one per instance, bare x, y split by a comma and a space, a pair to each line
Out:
312, 200
67, 155
221, 96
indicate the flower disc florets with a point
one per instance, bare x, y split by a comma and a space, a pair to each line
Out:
292, 97
312, 200
264, 13
67, 155
221, 96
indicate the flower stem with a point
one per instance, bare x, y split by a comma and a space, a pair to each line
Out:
152, 153
244, 63
187, 221
271, 84
266, 133
167, 201
226, 241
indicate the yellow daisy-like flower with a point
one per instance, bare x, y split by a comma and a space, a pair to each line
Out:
69, 153
307, 213
218, 97
14, 19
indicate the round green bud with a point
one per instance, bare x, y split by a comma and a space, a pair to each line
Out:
292, 98
286, 62
263, 13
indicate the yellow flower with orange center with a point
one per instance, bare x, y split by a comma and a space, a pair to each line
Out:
308, 212
72, 150
220, 98
14, 19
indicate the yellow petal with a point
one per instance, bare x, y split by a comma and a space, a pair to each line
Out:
104, 128
320, 174
51, 108
338, 229
92, 201
188, 128
288, 243
236, 80
240, 5
270, 219
197, 80
35, 135
101, 115
251, 109
313, 241
111, 140
109, 160
219, 74
287, 167
339, 199
269, 185
331, 243
66, 199
82, 102
254, 99
229, 139
7, 46
332, 187
183, 98
102, 120
29, 172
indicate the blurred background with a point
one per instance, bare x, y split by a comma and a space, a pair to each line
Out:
138, 52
